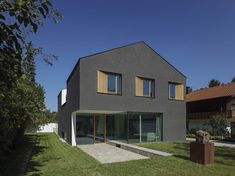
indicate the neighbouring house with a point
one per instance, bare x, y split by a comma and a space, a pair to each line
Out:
130, 94
203, 104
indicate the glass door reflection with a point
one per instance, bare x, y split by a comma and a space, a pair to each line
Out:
100, 128
84, 129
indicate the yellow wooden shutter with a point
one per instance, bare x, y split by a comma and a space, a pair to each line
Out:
138, 86
179, 92
102, 82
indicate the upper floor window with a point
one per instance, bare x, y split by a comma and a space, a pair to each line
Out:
172, 90
176, 91
108, 83
144, 87
114, 83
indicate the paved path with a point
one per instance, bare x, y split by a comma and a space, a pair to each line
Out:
106, 153
217, 143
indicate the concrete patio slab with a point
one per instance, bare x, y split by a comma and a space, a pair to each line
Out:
106, 153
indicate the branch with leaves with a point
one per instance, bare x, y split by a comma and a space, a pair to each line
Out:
21, 98
19, 17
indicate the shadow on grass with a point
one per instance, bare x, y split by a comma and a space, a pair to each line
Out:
223, 155
15, 161
33, 164
21, 160
181, 150
36, 150
182, 157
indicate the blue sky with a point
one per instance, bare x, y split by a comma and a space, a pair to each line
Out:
197, 37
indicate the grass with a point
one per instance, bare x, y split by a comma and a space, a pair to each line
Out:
52, 157
15, 160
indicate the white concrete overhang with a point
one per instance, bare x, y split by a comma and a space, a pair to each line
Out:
82, 111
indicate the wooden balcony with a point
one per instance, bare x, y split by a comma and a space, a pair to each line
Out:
230, 114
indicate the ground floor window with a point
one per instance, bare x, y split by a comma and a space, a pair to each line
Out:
100, 128
116, 127
144, 127
133, 128
130, 127
84, 129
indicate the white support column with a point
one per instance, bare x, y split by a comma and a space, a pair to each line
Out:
73, 129
157, 128
140, 128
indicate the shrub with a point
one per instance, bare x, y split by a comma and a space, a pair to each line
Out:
219, 125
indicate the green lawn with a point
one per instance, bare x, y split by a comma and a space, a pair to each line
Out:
52, 157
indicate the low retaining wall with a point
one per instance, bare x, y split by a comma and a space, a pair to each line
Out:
138, 149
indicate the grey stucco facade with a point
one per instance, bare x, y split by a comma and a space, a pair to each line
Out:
130, 61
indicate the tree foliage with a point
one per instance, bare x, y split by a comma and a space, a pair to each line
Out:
213, 83
18, 17
28, 64
21, 98
218, 125
23, 104
50, 117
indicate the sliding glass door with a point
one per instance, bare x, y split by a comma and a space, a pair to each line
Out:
148, 128
144, 127
134, 126
100, 128
90, 129
116, 127
159, 126
84, 129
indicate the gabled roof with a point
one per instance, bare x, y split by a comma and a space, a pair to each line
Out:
223, 90
132, 44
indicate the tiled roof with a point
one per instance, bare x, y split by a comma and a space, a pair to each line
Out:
213, 92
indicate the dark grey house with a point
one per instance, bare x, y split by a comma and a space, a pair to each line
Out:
130, 94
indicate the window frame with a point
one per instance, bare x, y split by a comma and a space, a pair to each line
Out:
151, 87
175, 98
117, 77
107, 73
169, 90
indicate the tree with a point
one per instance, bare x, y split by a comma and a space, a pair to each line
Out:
233, 80
51, 117
28, 64
18, 18
219, 125
21, 98
23, 103
38, 93
213, 83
